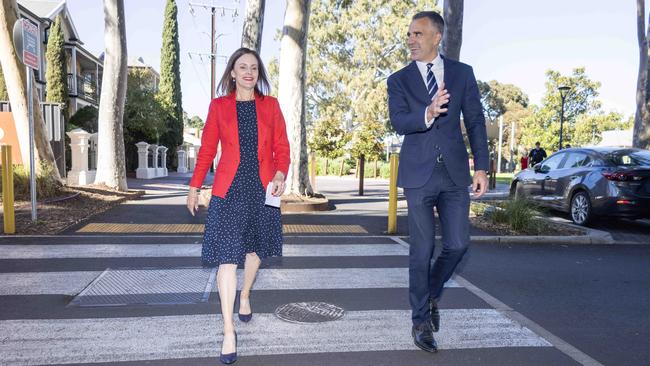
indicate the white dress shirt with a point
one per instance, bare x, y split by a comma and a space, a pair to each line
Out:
438, 69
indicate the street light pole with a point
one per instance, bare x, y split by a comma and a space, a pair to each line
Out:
563, 93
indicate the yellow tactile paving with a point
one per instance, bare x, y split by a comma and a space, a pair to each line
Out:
324, 229
115, 228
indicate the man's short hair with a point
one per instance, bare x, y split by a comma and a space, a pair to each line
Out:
537, 143
434, 17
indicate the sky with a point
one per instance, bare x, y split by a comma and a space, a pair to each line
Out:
511, 41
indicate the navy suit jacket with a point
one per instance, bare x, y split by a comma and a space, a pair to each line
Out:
407, 101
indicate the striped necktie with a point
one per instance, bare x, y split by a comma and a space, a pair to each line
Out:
432, 86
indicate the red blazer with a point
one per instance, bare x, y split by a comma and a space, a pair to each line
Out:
221, 126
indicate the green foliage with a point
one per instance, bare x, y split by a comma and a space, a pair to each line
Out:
85, 118
497, 98
353, 47
3, 87
583, 119
46, 185
56, 74
517, 213
328, 138
366, 140
194, 122
589, 128
144, 116
170, 82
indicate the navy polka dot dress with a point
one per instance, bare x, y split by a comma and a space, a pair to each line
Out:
240, 223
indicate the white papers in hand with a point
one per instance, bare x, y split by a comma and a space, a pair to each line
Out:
271, 200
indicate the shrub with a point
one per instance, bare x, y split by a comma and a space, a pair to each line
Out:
46, 185
518, 214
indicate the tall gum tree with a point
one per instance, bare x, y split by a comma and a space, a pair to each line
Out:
641, 135
291, 93
111, 169
253, 25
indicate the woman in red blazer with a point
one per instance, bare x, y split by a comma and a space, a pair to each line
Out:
240, 228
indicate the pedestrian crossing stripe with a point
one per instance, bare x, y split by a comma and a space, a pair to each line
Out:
124, 228
192, 336
72, 283
61, 251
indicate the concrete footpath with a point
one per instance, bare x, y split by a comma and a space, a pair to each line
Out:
127, 288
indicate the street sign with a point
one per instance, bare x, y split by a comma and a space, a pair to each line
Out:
27, 43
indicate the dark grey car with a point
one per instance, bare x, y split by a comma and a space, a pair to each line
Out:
589, 182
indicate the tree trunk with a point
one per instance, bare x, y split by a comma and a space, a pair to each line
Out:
453, 36
253, 24
291, 95
641, 135
110, 140
16, 82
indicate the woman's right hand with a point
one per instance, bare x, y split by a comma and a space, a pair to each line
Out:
193, 200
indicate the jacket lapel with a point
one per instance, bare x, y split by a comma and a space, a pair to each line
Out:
415, 81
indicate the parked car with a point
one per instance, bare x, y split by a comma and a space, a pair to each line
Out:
589, 182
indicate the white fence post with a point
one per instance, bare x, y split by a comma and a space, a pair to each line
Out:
182, 161
79, 174
163, 161
143, 171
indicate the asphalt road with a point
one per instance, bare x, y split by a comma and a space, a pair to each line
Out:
593, 299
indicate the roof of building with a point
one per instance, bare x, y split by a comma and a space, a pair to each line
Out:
139, 62
44, 8
48, 10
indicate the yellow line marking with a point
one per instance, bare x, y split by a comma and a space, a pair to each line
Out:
198, 228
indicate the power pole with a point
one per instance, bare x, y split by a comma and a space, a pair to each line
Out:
213, 36
213, 60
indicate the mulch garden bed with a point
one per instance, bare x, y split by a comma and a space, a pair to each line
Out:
71, 206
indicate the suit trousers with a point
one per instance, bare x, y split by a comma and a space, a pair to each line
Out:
426, 280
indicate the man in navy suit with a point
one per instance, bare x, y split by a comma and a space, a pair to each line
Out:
425, 102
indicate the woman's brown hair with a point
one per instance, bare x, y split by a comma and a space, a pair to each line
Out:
227, 84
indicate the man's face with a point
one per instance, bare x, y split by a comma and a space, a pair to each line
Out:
423, 40
537, 146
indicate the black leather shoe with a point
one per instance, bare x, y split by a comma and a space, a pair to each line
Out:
435, 315
423, 337
229, 358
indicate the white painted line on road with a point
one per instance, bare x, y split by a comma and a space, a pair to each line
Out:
185, 250
71, 283
517, 317
46, 283
54, 341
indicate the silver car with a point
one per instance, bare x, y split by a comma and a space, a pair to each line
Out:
589, 182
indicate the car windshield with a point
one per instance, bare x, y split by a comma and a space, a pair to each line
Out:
629, 157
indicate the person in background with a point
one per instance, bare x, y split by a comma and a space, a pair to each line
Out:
537, 154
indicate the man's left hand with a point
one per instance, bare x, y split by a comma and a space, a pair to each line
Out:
479, 183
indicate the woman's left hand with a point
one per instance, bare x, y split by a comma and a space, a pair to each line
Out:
278, 184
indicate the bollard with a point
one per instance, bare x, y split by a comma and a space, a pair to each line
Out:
8, 191
392, 195
312, 170
361, 167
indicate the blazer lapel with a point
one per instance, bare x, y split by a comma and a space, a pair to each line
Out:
415, 81
448, 72
259, 112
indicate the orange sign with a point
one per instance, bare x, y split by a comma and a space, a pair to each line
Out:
8, 136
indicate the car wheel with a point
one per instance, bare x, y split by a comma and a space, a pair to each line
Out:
517, 193
580, 208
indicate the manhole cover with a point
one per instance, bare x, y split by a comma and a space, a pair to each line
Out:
309, 312
151, 286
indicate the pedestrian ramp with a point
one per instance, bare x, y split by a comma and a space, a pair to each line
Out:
368, 280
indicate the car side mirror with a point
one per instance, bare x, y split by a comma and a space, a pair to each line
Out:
538, 167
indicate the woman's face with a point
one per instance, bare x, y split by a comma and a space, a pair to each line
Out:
245, 72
